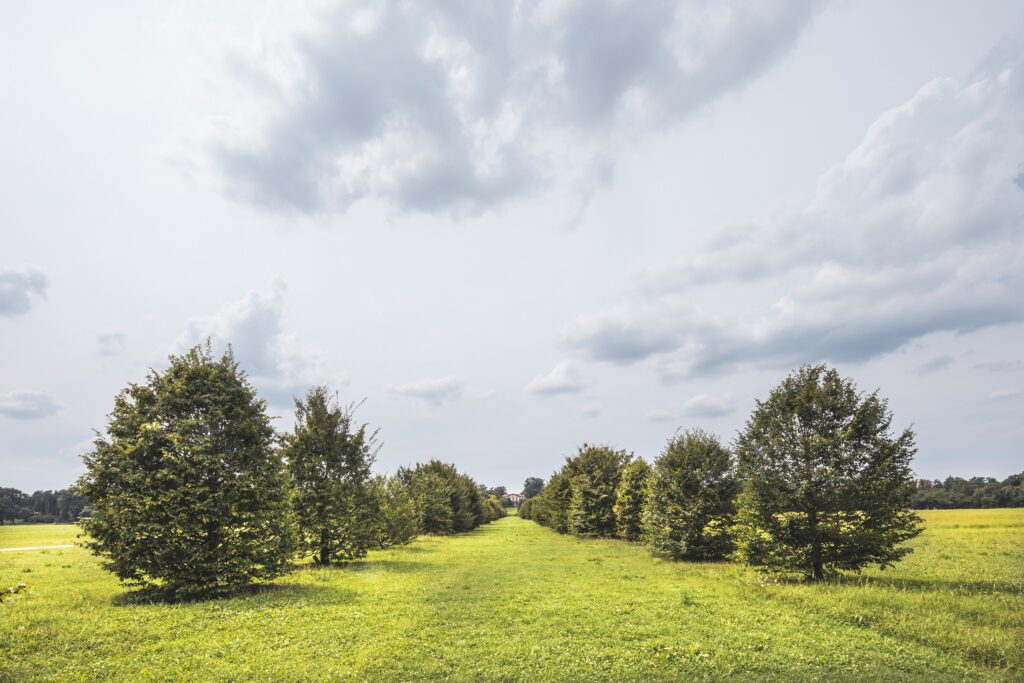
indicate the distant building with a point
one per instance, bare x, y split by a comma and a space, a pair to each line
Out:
514, 499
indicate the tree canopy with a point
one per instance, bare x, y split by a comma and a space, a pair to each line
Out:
691, 499
827, 486
189, 496
329, 459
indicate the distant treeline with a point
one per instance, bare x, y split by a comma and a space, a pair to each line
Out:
976, 492
41, 507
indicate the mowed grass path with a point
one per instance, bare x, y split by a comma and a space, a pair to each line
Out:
515, 601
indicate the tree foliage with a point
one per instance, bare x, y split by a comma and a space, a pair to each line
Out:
550, 507
580, 498
629, 500
532, 486
827, 486
976, 492
189, 497
396, 520
448, 502
690, 502
596, 471
41, 507
329, 459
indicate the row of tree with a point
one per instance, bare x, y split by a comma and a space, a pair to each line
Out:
193, 492
40, 507
976, 492
817, 483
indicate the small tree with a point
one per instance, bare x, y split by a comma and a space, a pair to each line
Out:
594, 477
690, 503
532, 486
827, 486
448, 502
550, 508
396, 520
329, 460
629, 500
188, 495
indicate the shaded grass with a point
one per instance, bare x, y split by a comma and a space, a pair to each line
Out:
515, 601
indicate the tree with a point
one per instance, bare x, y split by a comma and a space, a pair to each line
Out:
629, 499
189, 496
550, 508
827, 485
690, 502
11, 503
396, 520
329, 460
448, 502
594, 476
532, 486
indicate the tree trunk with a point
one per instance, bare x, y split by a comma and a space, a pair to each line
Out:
325, 550
818, 571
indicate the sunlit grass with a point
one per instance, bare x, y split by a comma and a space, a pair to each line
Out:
515, 601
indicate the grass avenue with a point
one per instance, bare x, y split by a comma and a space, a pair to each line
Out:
515, 601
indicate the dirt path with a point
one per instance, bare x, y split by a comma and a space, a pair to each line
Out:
36, 547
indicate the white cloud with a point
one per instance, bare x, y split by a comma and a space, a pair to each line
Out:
1005, 394
28, 405
436, 392
278, 364
658, 415
110, 343
919, 230
592, 410
18, 287
706, 405
439, 107
564, 378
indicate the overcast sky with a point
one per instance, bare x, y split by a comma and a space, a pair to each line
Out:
515, 227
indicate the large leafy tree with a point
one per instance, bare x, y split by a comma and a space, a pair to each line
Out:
827, 483
594, 475
329, 459
188, 494
690, 502
629, 499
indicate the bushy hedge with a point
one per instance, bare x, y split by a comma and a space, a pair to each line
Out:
448, 502
396, 520
630, 500
691, 499
580, 498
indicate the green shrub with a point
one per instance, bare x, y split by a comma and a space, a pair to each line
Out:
690, 499
447, 502
595, 475
189, 497
395, 517
629, 500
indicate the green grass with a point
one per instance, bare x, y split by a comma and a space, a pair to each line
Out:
515, 601
27, 535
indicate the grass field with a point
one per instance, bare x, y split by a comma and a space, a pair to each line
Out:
515, 601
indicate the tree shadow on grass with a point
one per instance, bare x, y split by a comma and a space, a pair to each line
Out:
969, 587
242, 598
387, 566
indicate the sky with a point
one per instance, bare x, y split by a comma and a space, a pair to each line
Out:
510, 228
